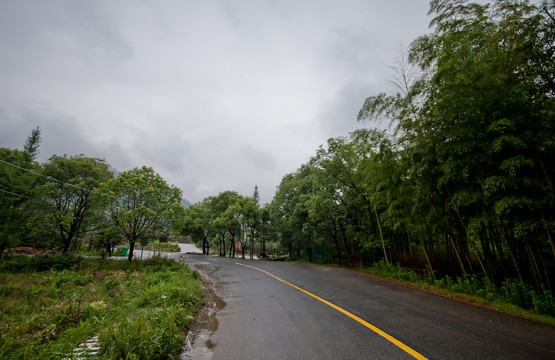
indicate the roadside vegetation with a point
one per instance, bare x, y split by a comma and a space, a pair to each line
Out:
459, 188
460, 185
49, 304
512, 296
169, 246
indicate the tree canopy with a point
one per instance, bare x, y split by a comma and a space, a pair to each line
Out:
464, 182
141, 203
72, 201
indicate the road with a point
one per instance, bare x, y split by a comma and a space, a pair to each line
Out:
275, 310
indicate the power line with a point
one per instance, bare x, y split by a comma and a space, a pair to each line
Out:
14, 194
44, 176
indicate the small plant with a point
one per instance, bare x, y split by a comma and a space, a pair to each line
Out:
47, 314
511, 291
164, 246
26, 264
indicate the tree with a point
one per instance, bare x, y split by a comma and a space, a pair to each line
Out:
106, 239
70, 195
250, 220
18, 192
31, 147
139, 203
289, 210
222, 221
477, 129
265, 229
198, 223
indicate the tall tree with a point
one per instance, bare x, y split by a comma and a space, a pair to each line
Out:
70, 193
18, 197
198, 223
19, 202
31, 147
478, 127
140, 202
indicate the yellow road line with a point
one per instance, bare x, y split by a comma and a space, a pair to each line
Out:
383, 334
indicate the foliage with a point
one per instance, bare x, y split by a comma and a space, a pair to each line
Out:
18, 192
73, 203
46, 314
106, 239
165, 246
229, 219
463, 186
141, 203
512, 291
28, 264
198, 224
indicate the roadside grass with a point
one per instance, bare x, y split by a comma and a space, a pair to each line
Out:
139, 309
512, 297
156, 245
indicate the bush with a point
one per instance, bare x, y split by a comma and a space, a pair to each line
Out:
141, 309
544, 302
27, 264
512, 291
167, 246
396, 272
517, 293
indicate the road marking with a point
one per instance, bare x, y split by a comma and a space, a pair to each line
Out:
383, 334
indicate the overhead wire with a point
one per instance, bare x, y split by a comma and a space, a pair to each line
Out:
45, 176
14, 194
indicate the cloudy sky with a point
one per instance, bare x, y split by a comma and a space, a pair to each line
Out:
214, 95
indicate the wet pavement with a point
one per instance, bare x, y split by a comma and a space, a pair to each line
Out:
199, 344
251, 315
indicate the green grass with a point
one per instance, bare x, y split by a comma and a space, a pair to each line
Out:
139, 309
167, 246
513, 296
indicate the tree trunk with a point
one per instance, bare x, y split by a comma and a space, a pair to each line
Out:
381, 236
511, 253
457, 252
427, 258
131, 247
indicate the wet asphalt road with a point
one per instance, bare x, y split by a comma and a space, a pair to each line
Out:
255, 316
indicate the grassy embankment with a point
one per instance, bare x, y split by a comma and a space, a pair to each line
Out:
50, 304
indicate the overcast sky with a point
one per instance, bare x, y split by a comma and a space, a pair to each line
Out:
214, 95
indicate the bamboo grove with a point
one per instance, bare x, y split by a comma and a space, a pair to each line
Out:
462, 180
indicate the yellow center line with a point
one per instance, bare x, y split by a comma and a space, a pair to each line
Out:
383, 334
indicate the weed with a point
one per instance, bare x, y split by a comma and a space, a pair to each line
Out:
511, 291
46, 314
25, 264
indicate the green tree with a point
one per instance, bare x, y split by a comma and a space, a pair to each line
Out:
222, 222
478, 131
31, 146
18, 192
106, 239
198, 224
290, 213
70, 194
140, 203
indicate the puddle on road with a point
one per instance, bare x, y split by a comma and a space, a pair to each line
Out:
199, 345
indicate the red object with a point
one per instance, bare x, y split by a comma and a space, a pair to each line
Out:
180, 259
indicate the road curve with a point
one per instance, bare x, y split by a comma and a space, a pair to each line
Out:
274, 310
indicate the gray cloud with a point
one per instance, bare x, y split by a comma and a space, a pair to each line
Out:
213, 95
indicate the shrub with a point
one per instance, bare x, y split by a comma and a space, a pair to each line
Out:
544, 302
517, 293
45, 315
512, 291
26, 264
